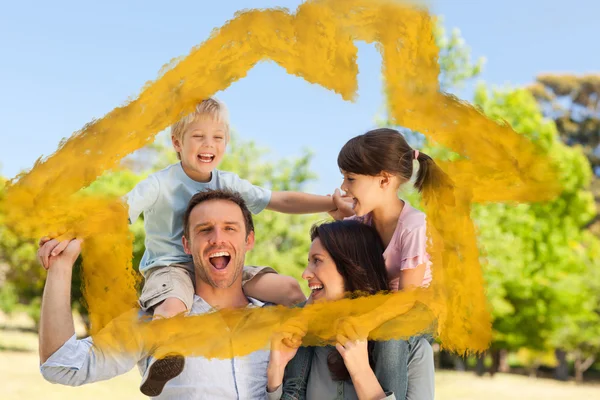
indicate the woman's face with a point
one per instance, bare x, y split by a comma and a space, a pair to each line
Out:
322, 275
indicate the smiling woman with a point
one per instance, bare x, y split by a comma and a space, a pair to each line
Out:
346, 260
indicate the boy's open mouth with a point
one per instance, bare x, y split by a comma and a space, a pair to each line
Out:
206, 157
219, 260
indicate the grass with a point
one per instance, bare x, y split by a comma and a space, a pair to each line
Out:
22, 380
19, 369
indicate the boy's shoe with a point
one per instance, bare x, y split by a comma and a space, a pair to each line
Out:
160, 372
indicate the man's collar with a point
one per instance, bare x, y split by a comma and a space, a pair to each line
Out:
201, 306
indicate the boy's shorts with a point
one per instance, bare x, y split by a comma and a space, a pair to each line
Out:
178, 281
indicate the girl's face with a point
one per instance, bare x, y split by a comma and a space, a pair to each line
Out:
322, 275
365, 190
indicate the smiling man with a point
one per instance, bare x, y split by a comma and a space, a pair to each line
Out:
218, 231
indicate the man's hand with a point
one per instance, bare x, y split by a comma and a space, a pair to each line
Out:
344, 206
52, 251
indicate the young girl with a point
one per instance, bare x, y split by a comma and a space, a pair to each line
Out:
374, 166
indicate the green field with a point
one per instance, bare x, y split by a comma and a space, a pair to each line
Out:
22, 380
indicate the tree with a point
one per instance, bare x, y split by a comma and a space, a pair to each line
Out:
540, 256
456, 66
573, 103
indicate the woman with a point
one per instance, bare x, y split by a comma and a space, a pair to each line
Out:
347, 256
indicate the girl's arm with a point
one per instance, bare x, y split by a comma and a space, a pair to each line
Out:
412, 277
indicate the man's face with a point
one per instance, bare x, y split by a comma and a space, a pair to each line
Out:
218, 242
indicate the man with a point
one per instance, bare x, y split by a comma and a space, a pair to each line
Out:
218, 231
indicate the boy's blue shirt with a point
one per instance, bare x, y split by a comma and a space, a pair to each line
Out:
163, 198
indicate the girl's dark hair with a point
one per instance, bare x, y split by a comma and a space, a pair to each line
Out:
357, 251
386, 149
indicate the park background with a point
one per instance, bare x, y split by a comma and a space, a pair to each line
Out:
531, 63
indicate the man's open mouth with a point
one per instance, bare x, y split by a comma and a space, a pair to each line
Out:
206, 157
219, 260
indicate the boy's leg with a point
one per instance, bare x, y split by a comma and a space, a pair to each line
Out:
167, 290
171, 288
391, 366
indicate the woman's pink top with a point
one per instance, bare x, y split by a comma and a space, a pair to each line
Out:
408, 247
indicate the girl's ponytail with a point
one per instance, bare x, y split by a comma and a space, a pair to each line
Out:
430, 178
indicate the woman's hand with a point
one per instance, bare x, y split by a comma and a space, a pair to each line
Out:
355, 354
284, 346
353, 347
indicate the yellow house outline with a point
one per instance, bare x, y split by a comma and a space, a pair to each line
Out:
316, 43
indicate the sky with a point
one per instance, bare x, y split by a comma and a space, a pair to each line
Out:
64, 63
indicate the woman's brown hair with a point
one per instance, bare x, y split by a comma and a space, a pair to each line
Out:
357, 251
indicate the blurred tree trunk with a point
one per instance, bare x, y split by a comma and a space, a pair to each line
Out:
495, 362
533, 368
504, 366
561, 372
480, 365
459, 364
582, 365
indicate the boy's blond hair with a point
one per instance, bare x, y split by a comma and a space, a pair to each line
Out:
210, 107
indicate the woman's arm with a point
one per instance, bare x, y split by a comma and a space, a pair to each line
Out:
356, 358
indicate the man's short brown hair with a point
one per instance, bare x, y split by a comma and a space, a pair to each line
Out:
218, 194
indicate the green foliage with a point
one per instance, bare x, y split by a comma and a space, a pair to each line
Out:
21, 278
540, 262
455, 61
539, 256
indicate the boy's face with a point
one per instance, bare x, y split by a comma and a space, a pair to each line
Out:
202, 147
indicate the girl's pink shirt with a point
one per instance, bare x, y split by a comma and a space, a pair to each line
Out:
408, 246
